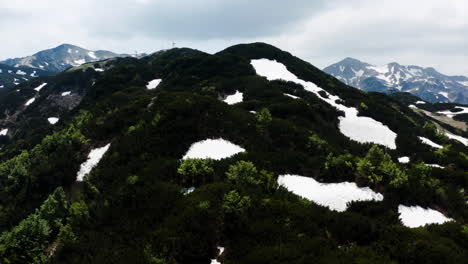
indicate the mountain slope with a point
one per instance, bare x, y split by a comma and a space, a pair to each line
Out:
425, 83
60, 58
134, 122
12, 76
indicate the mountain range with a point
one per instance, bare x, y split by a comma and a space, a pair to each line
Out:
48, 62
248, 155
426, 83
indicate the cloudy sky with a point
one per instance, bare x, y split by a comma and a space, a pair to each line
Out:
422, 32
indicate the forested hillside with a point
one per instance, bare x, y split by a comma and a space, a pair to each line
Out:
250, 155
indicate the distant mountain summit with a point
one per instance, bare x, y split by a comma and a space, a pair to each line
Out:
427, 83
61, 58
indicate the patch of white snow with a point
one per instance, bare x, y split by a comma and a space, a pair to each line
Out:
416, 216
153, 84
430, 142
30, 101
463, 140
93, 160
351, 125
238, 97
292, 96
332, 195
40, 87
404, 160
53, 120
216, 149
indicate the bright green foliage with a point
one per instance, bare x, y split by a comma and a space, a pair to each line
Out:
430, 128
363, 106
156, 120
234, 203
264, 118
243, 172
132, 179
377, 166
421, 174
317, 144
136, 127
341, 165
195, 171
55, 209
27, 242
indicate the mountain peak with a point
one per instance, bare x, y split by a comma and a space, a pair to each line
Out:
349, 60
426, 83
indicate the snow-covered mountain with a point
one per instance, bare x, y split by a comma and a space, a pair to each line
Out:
60, 58
11, 76
427, 83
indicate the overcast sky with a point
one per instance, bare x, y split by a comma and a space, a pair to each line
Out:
421, 32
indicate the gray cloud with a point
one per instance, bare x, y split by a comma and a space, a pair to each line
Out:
202, 19
424, 32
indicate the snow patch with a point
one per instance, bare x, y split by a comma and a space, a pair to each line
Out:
435, 166
30, 101
332, 195
404, 160
92, 55
153, 84
53, 120
79, 62
93, 160
238, 97
416, 216
292, 96
66, 93
215, 261
430, 142
445, 94
420, 102
452, 114
99, 69
4, 132
216, 149
351, 125
463, 140
40, 87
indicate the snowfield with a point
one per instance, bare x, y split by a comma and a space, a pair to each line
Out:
452, 114
153, 84
416, 216
93, 160
463, 140
40, 87
332, 195
430, 142
238, 97
53, 120
404, 160
351, 125
216, 149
